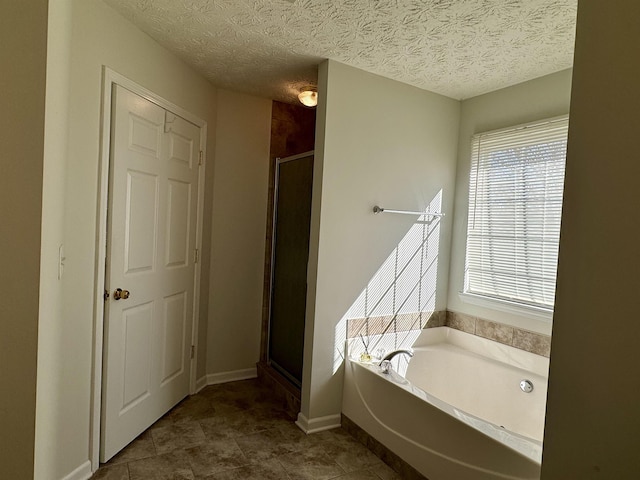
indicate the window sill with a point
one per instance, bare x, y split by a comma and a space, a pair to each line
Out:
535, 313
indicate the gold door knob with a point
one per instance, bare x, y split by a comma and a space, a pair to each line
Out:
120, 294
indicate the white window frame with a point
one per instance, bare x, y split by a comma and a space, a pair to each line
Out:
538, 312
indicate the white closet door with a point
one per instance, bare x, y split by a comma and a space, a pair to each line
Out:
150, 258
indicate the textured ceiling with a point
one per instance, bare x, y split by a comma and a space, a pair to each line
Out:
458, 48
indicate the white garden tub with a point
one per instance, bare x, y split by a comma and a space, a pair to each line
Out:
460, 412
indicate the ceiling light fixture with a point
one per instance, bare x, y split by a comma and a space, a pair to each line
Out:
309, 96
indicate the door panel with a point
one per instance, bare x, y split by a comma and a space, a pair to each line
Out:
180, 149
176, 252
136, 354
140, 221
145, 135
175, 313
153, 186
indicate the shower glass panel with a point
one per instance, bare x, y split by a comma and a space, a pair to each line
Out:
292, 217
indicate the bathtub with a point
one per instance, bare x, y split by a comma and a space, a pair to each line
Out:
459, 412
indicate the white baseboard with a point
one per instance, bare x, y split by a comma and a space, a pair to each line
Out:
201, 383
233, 376
83, 472
318, 424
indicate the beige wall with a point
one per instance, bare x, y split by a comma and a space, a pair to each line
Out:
23, 44
377, 142
593, 420
238, 232
537, 99
99, 37
51, 345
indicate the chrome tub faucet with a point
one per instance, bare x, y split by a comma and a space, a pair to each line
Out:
385, 363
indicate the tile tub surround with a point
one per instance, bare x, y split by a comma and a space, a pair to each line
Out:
239, 431
499, 332
401, 322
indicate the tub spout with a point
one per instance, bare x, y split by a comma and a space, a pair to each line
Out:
390, 355
385, 363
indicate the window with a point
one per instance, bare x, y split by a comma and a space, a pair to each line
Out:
515, 205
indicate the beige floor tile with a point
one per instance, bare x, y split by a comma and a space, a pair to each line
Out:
238, 431
215, 457
112, 472
268, 470
265, 445
169, 466
141, 447
179, 435
361, 475
347, 452
310, 464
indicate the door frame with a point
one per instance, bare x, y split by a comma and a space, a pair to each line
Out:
274, 219
109, 78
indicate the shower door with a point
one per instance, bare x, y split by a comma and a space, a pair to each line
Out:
292, 217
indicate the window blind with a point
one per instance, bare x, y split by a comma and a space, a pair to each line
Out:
515, 206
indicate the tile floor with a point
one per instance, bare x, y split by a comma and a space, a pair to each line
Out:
237, 431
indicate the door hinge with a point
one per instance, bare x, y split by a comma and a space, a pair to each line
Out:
201, 158
195, 256
193, 351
